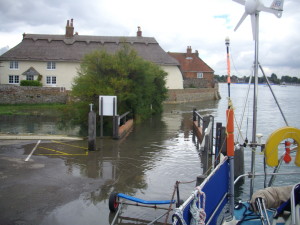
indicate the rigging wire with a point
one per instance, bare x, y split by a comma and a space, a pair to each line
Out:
245, 102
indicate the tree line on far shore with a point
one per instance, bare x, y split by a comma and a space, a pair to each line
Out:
261, 80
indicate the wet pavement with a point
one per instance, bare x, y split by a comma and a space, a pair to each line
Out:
63, 183
30, 190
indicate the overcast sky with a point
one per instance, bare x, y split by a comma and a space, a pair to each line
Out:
202, 24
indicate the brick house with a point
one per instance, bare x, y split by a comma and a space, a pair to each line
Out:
196, 73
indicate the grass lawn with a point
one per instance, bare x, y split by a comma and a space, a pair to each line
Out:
31, 109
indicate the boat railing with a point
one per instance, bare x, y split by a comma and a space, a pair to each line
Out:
249, 175
293, 205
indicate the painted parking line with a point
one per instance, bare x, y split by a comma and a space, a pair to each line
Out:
35, 147
76, 146
60, 152
53, 150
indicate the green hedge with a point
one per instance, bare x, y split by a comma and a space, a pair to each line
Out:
30, 83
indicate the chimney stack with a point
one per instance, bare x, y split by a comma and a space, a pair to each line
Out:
139, 32
69, 29
189, 50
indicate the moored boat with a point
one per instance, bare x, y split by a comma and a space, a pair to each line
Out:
212, 202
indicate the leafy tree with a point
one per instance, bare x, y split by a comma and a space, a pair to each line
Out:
138, 84
274, 79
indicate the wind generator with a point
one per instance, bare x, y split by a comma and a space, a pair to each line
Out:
253, 8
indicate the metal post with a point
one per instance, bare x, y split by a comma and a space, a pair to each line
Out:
254, 105
227, 43
101, 117
114, 119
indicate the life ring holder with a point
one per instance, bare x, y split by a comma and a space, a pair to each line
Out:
271, 148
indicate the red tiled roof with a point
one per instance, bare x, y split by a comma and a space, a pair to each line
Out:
190, 62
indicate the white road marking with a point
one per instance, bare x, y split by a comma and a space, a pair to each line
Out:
28, 157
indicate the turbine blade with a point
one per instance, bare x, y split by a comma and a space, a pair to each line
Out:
276, 8
241, 20
253, 23
240, 1
277, 4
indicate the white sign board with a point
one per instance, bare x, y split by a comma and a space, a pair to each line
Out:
109, 105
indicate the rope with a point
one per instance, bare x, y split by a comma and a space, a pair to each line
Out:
170, 206
198, 213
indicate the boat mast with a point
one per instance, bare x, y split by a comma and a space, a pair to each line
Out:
256, 65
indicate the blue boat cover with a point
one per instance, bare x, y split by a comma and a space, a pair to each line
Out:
215, 187
138, 200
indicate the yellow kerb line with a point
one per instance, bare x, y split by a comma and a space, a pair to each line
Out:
61, 153
70, 145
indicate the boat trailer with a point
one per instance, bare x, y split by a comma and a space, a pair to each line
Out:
115, 204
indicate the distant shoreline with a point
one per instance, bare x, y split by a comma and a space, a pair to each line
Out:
287, 84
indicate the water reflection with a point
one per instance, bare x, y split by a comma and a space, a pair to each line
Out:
31, 124
148, 162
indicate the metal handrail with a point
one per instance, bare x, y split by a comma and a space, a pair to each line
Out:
123, 116
293, 206
263, 174
197, 117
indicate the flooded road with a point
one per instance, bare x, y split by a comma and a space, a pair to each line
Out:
62, 183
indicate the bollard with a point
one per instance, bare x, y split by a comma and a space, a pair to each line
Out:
92, 130
239, 162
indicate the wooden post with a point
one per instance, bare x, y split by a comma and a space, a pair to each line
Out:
218, 143
204, 155
223, 141
194, 114
92, 130
239, 162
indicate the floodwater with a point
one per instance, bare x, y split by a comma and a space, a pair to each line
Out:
146, 164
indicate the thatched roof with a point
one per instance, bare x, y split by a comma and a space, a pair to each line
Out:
40, 47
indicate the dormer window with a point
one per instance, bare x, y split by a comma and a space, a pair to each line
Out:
14, 65
51, 65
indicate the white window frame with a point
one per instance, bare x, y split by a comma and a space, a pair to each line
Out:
13, 78
14, 65
51, 80
29, 77
51, 65
199, 75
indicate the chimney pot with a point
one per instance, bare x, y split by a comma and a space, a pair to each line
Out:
189, 50
69, 29
139, 32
